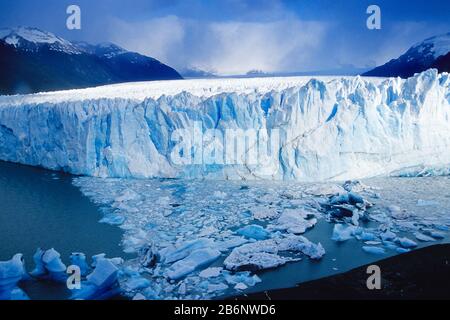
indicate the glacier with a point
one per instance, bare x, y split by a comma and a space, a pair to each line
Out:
333, 128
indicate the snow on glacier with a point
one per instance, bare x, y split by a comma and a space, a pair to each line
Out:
194, 228
336, 128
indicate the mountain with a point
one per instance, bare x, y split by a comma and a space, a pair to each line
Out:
430, 53
32, 60
195, 72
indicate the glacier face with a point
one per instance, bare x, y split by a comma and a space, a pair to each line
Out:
341, 128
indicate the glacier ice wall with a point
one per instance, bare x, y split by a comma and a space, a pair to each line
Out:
336, 129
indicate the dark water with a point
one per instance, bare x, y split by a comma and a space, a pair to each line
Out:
39, 208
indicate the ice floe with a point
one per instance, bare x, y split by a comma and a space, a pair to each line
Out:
203, 239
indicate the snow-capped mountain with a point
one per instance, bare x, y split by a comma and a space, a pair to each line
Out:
32, 60
433, 52
33, 39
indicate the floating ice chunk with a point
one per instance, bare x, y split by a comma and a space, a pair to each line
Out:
148, 256
49, 265
325, 190
185, 249
397, 213
254, 261
366, 236
136, 283
104, 274
261, 213
342, 232
52, 261
442, 227
388, 236
182, 288
79, 259
100, 284
219, 194
253, 231
265, 254
422, 237
241, 277
211, 272
208, 231
402, 250
437, 235
355, 186
213, 287
231, 243
295, 221
139, 296
117, 261
351, 198
17, 294
194, 261
11, 272
127, 196
39, 269
240, 286
313, 251
373, 250
113, 219
372, 243
406, 243
96, 258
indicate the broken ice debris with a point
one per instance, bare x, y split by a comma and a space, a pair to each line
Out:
422, 237
342, 232
148, 256
79, 259
264, 254
211, 272
194, 261
11, 272
373, 250
295, 221
253, 232
49, 265
172, 254
100, 284
261, 213
349, 198
406, 243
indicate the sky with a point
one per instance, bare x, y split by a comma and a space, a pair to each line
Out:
235, 36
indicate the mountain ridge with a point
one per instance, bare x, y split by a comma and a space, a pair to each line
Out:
430, 53
33, 61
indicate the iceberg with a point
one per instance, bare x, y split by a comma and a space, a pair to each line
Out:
326, 128
48, 265
79, 259
373, 250
266, 254
342, 232
101, 284
11, 272
253, 232
295, 221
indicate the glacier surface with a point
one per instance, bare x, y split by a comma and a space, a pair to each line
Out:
333, 128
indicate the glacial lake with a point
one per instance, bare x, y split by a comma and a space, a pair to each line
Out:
41, 208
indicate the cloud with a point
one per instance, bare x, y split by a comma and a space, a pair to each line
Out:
228, 47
